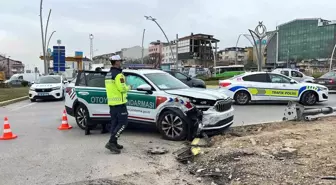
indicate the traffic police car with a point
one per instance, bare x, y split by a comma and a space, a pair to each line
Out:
48, 87
263, 86
156, 98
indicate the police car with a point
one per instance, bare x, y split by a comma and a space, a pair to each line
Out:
156, 98
48, 87
263, 86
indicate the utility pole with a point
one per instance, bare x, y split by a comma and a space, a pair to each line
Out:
154, 20
287, 57
8, 66
142, 46
176, 62
91, 46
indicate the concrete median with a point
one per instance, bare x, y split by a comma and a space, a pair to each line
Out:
8, 102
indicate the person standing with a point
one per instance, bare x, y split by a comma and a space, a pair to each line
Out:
116, 90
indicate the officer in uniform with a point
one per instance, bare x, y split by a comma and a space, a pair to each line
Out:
116, 90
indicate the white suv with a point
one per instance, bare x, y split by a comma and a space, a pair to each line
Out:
48, 87
156, 97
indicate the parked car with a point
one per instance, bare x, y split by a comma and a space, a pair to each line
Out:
264, 86
48, 87
190, 81
294, 74
328, 80
156, 98
17, 79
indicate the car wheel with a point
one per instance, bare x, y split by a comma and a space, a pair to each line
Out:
309, 98
172, 126
82, 117
33, 100
242, 98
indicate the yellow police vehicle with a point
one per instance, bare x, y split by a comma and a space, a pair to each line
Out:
266, 86
156, 97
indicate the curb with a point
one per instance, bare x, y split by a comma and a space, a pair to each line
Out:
7, 102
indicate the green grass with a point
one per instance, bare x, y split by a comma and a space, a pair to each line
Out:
212, 82
12, 93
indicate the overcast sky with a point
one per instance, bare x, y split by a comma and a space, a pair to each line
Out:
118, 24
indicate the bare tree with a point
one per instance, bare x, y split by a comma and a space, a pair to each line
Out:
155, 59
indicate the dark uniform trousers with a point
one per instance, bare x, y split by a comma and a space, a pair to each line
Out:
119, 121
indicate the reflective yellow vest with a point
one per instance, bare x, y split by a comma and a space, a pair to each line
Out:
116, 88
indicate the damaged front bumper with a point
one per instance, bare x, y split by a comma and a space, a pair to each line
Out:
214, 122
211, 121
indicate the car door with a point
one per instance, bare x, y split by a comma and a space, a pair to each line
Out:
257, 84
141, 105
183, 78
297, 76
90, 90
282, 88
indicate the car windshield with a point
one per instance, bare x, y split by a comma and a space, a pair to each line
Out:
165, 81
329, 75
49, 80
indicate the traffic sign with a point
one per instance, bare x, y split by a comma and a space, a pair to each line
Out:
59, 58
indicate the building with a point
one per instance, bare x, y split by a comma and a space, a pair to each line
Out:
197, 49
169, 59
131, 55
302, 40
11, 66
233, 55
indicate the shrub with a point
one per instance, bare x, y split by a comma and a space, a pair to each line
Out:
24, 83
214, 78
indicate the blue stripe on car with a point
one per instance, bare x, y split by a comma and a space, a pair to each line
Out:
302, 89
233, 89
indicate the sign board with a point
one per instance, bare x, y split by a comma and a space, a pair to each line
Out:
263, 42
58, 58
78, 54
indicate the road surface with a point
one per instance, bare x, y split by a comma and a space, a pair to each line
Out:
44, 155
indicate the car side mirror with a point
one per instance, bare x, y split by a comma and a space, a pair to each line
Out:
145, 87
65, 82
292, 81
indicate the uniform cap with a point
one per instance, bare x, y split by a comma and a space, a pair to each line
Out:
116, 58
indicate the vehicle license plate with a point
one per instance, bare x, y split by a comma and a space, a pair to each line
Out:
43, 94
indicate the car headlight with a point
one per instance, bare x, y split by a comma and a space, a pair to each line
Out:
324, 88
56, 88
32, 89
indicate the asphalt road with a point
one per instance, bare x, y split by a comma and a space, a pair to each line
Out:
44, 155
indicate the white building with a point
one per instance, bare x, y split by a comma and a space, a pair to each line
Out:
168, 58
134, 52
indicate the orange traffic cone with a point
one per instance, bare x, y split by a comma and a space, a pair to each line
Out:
7, 132
65, 125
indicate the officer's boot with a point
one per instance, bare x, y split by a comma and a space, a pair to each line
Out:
119, 146
104, 129
112, 147
87, 131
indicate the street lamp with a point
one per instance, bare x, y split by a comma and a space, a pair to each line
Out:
50, 38
44, 37
91, 46
150, 18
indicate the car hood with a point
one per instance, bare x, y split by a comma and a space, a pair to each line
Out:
198, 93
45, 86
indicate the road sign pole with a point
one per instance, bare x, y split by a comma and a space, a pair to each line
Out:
59, 58
59, 55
